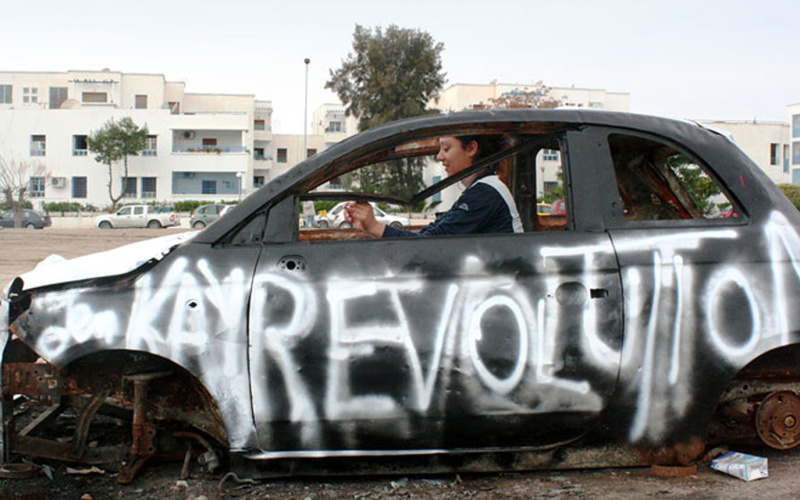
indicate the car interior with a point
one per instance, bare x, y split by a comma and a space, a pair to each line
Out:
525, 162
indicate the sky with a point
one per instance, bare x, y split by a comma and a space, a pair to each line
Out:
696, 59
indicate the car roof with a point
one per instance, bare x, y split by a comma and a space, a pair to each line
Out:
302, 175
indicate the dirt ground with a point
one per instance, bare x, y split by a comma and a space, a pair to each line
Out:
20, 250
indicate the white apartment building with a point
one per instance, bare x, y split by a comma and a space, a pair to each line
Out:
463, 96
766, 143
199, 146
332, 124
794, 123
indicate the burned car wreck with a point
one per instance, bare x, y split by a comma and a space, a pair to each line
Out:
655, 317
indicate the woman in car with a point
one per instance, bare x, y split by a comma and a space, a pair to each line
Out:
485, 206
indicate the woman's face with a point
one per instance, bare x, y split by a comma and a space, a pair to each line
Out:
455, 156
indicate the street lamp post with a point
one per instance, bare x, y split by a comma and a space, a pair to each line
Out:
305, 114
542, 169
239, 176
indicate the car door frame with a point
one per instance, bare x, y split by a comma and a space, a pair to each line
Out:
284, 264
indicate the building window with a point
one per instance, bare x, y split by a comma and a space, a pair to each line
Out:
550, 155
150, 146
209, 187
129, 187
79, 145
38, 145
335, 183
141, 102
260, 125
37, 187
258, 153
334, 127
5, 94
310, 152
95, 97
773, 153
148, 187
209, 144
30, 95
79, 187
282, 155
57, 97
795, 125
785, 158
258, 181
796, 153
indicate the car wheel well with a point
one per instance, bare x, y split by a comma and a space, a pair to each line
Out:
178, 396
745, 411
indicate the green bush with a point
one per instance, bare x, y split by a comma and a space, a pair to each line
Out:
324, 205
792, 191
6, 206
189, 205
62, 206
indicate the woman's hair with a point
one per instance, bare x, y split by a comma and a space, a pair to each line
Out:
487, 144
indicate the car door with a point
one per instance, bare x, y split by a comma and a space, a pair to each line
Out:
693, 276
448, 343
123, 217
139, 216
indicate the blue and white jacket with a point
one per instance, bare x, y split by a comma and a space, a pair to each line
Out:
486, 206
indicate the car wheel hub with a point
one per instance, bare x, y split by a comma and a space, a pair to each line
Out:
777, 420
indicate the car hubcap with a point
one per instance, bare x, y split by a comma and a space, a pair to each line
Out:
777, 420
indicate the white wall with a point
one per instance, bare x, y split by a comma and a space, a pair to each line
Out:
755, 138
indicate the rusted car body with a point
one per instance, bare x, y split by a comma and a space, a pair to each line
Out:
635, 329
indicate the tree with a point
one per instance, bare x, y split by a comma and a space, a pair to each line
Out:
115, 141
390, 75
536, 97
15, 181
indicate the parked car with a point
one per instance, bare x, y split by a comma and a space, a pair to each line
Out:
139, 216
559, 207
637, 330
205, 215
31, 219
544, 209
335, 218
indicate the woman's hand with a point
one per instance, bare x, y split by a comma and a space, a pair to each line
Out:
362, 218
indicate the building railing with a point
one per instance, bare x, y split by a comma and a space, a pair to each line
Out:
149, 152
209, 149
262, 157
37, 152
148, 194
80, 152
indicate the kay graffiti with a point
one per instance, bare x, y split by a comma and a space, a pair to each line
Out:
310, 340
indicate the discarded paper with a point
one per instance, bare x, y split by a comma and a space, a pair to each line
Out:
741, 465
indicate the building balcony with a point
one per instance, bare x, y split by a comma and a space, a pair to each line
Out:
199, 149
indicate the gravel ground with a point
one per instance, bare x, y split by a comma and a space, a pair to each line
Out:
20, 250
